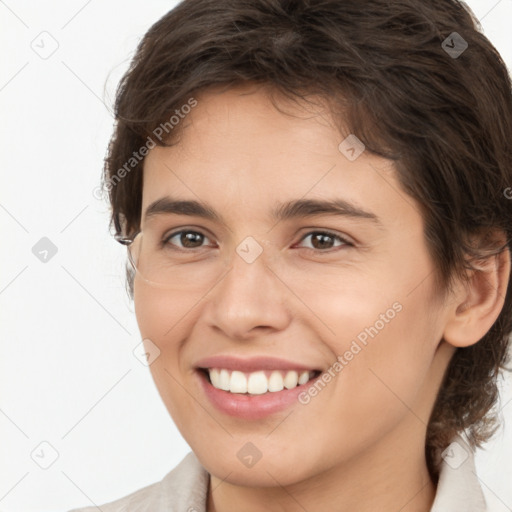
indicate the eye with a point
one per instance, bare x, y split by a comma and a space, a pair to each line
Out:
187, 238
323, 240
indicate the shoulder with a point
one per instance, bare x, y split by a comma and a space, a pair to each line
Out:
183, 489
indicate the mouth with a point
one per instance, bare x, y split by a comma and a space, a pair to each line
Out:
256, 387
258, 382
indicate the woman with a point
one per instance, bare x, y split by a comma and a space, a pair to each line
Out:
314, 199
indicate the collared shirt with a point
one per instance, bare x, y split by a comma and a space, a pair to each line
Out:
185, 488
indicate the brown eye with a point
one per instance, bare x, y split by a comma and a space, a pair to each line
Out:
322, 240
186, 239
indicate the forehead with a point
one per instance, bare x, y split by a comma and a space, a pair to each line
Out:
236, 149
247, 121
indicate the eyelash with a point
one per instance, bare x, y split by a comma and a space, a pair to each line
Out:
166, 241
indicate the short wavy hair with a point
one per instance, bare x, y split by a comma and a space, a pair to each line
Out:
385, 68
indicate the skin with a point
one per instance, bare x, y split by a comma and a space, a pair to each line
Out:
359, 444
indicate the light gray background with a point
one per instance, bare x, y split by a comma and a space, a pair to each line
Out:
69, 376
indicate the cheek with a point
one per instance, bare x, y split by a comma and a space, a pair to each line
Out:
150, 308
164, 317
384, 338
163, 314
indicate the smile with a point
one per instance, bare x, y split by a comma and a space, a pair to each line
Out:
258, 382
243, 405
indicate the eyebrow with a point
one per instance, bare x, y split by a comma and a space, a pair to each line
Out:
282, 211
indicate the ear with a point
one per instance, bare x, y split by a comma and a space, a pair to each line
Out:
479, 301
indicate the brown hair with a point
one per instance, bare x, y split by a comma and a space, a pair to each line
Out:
444, 119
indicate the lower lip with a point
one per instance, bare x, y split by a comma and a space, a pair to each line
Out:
251, 407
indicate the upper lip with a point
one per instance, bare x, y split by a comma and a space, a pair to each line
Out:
251, 364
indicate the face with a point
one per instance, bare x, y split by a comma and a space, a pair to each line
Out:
346, 293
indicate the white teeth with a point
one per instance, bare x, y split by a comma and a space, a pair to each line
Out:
238, 382
303, 377
275, 383
224, 380
257, 383
214, 377
291, 379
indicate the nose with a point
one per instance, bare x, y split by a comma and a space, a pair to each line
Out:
249, 300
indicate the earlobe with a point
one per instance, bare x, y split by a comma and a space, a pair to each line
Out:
479, 301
